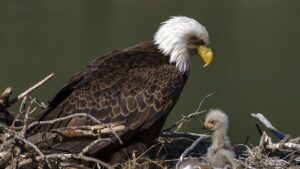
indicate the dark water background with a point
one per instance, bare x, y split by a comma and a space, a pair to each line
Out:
256, 47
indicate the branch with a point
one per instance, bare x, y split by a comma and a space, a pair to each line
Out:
77, 115
20, 137
62, 157
192, 115
26, 118
62, 119
280, 135
22, 134
28, 91
34, 147
290, 146
204, 98
188, 150
89, 131
192, 136
30, 144
92, 145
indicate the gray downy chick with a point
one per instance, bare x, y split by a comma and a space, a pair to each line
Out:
220, 154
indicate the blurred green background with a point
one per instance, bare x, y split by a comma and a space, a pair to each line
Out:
256, 47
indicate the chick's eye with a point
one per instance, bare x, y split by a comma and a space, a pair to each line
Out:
211, 121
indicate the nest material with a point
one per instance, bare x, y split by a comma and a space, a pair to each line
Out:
17, 151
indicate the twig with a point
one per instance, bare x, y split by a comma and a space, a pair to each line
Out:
63, 157
26, 118
189, 135
181, 121
280, 135
28, 91
264, 140
21, 138
92, 145
192, 115
22, 134
73, 165
203, 99
76, 115
22, 109
90, 131
140, 156
260, 132
188, 150
30, 144
244, 144
38, 103
64, 118
290, 146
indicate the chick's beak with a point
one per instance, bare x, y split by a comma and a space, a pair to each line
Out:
207, 126
206, 54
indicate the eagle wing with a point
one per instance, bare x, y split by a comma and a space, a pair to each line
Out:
135, 87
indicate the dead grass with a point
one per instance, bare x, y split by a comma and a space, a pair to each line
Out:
256, 158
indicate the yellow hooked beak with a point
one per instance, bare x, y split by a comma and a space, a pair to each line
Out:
206, 54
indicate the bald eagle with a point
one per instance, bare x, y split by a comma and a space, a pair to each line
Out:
136, 86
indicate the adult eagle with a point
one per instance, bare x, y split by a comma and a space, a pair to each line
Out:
137, 87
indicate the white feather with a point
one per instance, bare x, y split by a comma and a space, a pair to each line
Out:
172, 38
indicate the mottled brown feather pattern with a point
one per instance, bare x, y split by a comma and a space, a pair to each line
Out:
136, 86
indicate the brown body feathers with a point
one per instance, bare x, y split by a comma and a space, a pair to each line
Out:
136, 87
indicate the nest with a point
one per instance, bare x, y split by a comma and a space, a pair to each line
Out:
168, 151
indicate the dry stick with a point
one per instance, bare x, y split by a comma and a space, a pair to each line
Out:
290, 154
89, 131
5, 150
74, 166
31, 89
266, 142
26, 118
22, 134
181, 121
147, 151
280, 135
63, 157
192, 115
188, 150
76, 115
88, 148
47, 157
284, 146
24, 130
21, 111
30, 144
38, 103
64, 118
193, 136
204, 98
